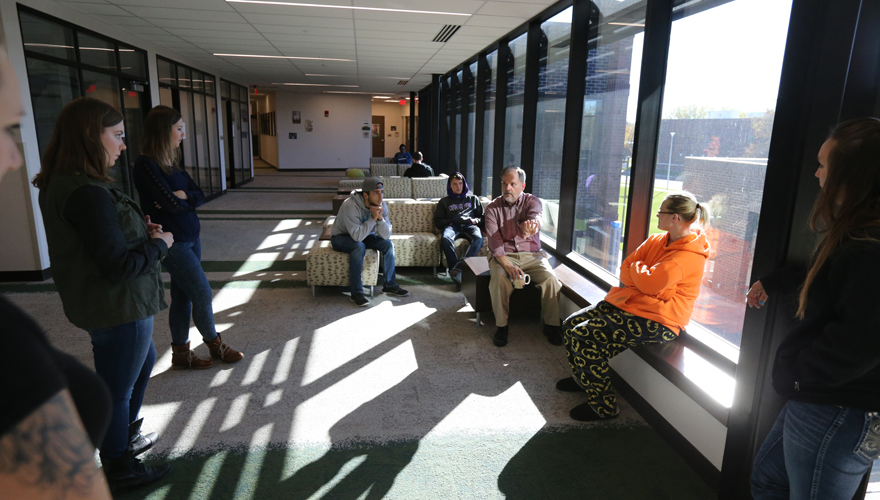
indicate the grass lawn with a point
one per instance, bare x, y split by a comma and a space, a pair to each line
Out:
659, 194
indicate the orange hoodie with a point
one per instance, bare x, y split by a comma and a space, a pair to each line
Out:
661, 283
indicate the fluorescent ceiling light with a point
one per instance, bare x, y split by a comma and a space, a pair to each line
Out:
349, 7
284, 57
381, 97
315, 85
345, 92
628, 24
338, 76
392, 100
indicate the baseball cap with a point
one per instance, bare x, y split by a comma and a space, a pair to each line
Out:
371, 184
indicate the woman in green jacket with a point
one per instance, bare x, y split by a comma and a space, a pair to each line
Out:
105, 261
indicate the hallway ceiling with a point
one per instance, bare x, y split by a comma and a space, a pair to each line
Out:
379, 48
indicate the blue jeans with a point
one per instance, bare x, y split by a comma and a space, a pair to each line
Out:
452, 233
124, 358
816, 452
356, 249
190, 293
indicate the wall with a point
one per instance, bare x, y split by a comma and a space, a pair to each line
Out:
335, 141
395, 115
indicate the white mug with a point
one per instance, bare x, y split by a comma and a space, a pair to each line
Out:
521, 282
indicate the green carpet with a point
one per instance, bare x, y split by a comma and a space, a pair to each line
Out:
609, 463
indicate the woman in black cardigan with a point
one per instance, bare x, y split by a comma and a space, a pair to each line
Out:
170, 197
828, 366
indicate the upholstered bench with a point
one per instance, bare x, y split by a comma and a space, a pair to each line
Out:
380, 169
327, 267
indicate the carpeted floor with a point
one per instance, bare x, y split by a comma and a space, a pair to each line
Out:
405, 399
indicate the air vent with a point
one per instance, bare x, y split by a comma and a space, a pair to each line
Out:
446, 33
403, 82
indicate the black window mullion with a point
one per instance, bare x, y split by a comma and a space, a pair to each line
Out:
412, 122
479, 124
465, 86
581, 33
500, 114
658, 26
530, 100
435, 117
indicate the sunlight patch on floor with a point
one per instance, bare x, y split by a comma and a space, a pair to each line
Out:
256, 262
250, 472
275, 240
313, 419
343, 340
193, 429
343, 471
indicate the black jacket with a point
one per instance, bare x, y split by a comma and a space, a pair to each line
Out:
832, 356
419, 170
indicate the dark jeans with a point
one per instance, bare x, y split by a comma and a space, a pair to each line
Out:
816, 451
455, 231
124, 358
356, 249
190, 293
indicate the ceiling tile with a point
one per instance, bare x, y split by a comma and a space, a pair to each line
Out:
216, 5
185, 14
496, 22
203, 25
260, 21
99, 9
215, 34
281, 10
124, 20
521, 10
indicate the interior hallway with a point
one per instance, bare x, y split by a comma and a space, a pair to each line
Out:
405, 399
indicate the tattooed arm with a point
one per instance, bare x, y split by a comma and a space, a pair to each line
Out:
48, 455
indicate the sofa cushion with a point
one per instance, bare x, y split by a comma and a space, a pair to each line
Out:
327, 267
429, 187
381, 159
381, 169
416, 249
350, 184
411, 216
397, 187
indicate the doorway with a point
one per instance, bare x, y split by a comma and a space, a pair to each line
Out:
378, 136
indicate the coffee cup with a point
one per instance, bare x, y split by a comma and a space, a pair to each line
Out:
518, 283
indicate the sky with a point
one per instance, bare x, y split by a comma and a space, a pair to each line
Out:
728, 57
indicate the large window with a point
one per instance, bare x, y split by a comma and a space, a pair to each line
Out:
550, 119
456, 157
192, 93
610, 95
714, 138
516, 82
490, 80
65, 62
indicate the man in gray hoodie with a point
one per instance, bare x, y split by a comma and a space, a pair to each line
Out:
363, 223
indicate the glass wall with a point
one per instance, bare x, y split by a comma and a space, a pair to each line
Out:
714, 138
236, 125
490, 80
192, 92
550, 118
516, 81
65, 62
456, 159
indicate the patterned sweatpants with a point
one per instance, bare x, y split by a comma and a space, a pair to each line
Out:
597, 333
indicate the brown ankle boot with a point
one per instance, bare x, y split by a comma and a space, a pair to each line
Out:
223, 352
183, 357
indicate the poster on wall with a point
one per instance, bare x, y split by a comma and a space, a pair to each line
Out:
376, 131
297, 118
309, 125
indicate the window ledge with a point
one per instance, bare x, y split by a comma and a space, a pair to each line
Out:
706, 380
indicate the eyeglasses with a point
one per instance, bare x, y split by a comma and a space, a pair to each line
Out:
662, 212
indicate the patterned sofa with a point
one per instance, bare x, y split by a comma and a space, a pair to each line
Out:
381, 159
327, 267
403, 187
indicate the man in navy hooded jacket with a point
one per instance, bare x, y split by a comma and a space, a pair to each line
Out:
459, 215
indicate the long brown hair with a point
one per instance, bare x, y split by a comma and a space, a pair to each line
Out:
849, 202
156, 142
76, 143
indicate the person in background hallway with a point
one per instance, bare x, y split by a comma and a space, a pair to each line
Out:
419, 169
169, 197
105, 261
661, 282
403, 157
513, 224
57, 412
363, 223
459, 215
828, 366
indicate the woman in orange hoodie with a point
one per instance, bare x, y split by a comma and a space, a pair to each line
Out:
661, 283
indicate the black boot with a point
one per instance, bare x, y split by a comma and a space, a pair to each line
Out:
140, 442
127, 472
